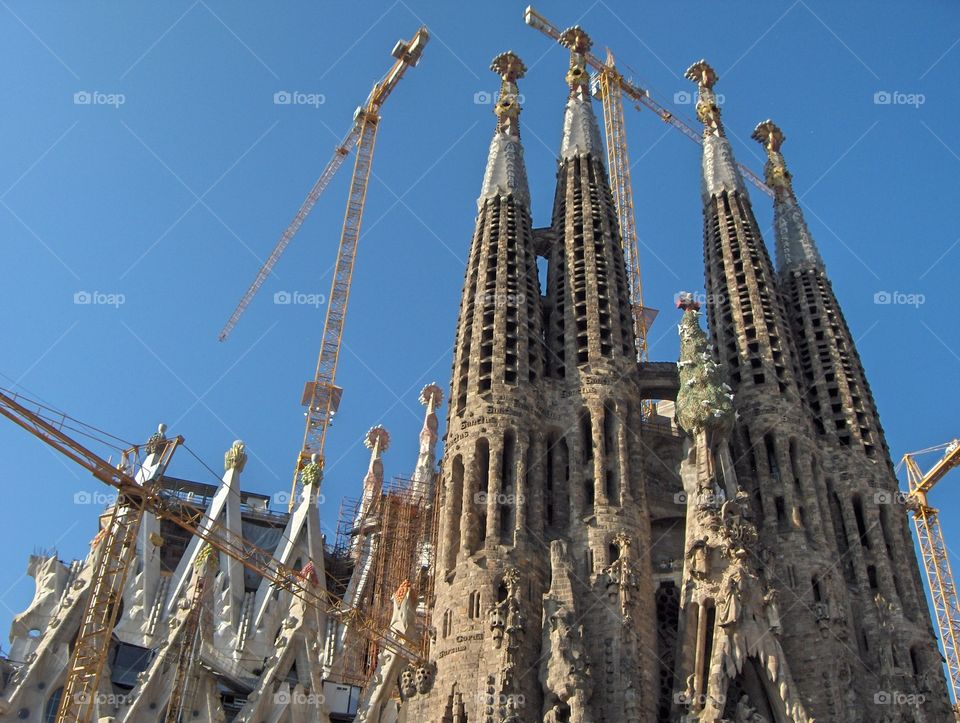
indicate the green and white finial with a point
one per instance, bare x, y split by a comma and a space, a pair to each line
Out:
705, 401
312, 472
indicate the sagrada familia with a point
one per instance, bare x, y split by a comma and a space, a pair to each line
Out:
610, 541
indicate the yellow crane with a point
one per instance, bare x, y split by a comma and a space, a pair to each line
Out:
116, 545
936, 562
321, 395
612, 86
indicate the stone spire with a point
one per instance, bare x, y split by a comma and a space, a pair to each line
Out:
720, 172
590, 317
771, 443
872, 545
506, 173
745, 299
499, 331
581, 135
378, 442
424, 474
796, 249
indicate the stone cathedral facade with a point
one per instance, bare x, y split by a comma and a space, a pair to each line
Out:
731, 556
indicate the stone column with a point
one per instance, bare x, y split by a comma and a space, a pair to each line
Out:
494, 490
623, 411
521, 489
468, 509
599, 456
536, 509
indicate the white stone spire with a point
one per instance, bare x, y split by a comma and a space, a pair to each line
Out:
378, 442
506, 173
581, 134
720, 172
796, 249
425, 473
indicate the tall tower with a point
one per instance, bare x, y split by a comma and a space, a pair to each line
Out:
485, 613
892, 628
595, 495
772, 443
543, 596
731, 657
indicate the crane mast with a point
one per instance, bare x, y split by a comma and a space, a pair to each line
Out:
936, 561
321, 395
618, 162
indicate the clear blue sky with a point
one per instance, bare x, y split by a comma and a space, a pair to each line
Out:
172, 198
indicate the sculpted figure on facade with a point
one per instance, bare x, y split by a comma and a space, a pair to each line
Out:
564, 670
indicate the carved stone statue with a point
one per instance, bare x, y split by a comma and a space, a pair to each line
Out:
380, 688
564, 668
746, 713
730, 604
496, 619
622, 575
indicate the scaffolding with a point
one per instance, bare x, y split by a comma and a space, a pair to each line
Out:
373, 556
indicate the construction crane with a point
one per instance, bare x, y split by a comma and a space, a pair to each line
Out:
321, 396
117, 542
611, 86
406, 54
943, 589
